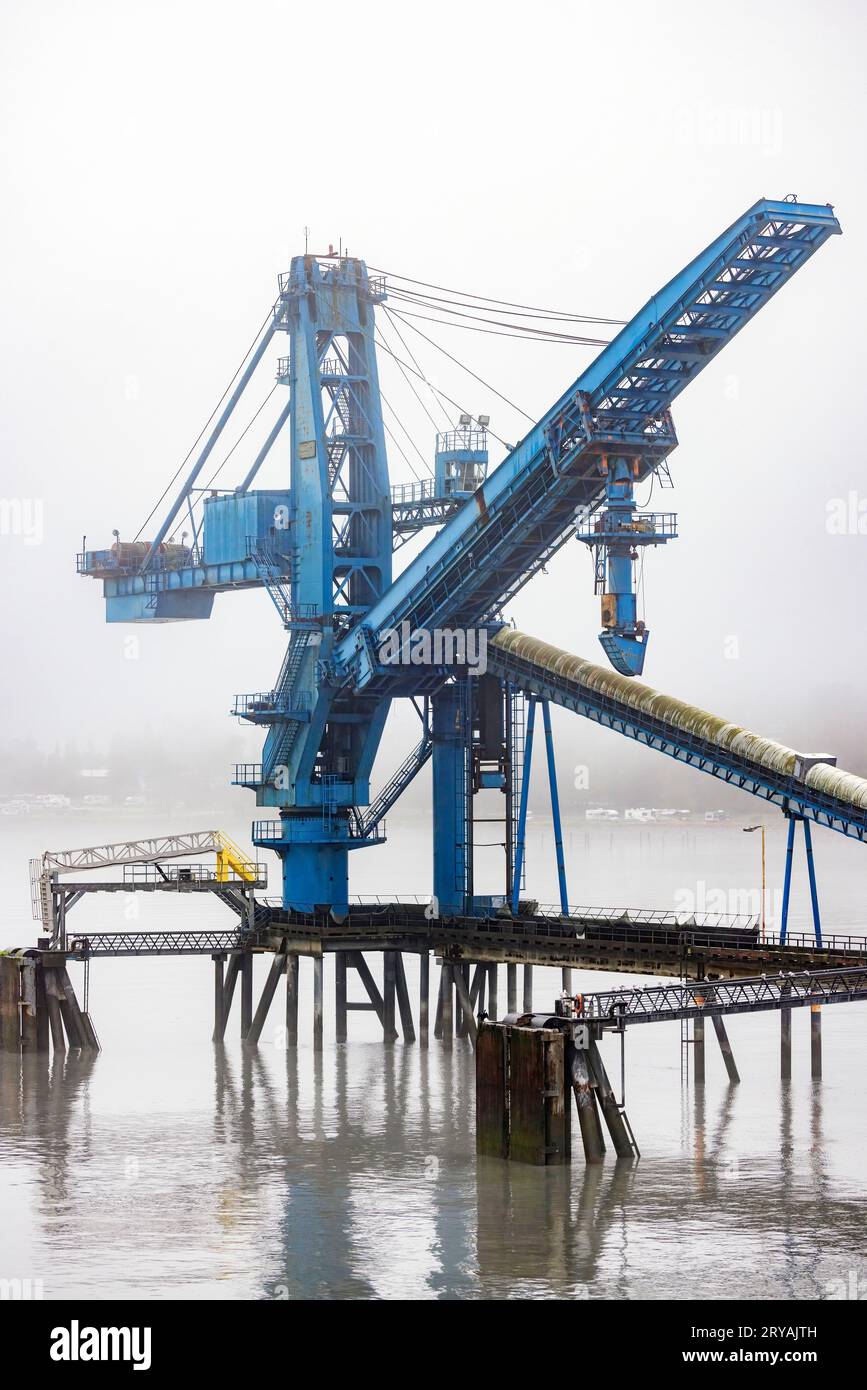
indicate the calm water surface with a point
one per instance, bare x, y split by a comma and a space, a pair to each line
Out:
168, 1168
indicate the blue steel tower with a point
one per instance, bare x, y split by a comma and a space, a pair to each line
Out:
321, 740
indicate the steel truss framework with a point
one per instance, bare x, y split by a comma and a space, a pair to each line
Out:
662, 1003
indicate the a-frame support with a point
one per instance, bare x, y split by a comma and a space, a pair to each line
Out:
787, 881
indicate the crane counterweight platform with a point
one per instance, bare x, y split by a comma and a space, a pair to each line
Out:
321, 545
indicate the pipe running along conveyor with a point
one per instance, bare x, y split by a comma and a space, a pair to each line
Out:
805, 785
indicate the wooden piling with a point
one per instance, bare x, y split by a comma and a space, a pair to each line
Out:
492, 1111
539, 1117
10, 994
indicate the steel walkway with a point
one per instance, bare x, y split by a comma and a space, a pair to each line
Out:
665, 1003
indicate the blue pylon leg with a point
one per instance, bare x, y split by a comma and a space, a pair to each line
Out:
787, 880
811, 870
555, 808
525, 795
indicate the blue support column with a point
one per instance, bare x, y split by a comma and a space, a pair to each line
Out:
449, 798
525, 795
811, 870
321, 741
787, 880
555, 808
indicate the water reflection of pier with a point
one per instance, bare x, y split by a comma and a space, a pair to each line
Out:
355, 1177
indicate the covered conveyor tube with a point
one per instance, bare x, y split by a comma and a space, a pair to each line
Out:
692, 733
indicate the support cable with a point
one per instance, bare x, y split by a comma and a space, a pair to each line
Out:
434, 300
463, 410
198, 438
487, 385
245, 430
397, 443
505, 303
417, 396
450, 422
504, 329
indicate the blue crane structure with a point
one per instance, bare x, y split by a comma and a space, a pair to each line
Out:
322, 548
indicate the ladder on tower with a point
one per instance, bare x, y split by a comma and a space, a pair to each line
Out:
286, 733
275, 576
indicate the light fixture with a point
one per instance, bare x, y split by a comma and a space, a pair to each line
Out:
464, 421
484, 421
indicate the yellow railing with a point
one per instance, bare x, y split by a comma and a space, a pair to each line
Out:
231, 858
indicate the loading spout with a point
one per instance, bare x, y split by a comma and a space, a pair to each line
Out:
801, 784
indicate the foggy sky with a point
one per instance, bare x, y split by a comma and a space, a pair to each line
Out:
160, 163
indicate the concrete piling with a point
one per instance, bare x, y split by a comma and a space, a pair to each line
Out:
698, 1046
246, 968
403, 1002
611, 1112
219, 970
816, 1041
292, 964
726, 1049
447, 1023
424, 998
389, 990
318, 972
493, 998
468, 1022
785, 1041
340, 1016
528, 989
585, 1100
254, 1032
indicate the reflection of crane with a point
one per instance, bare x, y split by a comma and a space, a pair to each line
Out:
322, 544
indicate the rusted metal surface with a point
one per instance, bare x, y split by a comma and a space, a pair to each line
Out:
522, 1108
492, 1118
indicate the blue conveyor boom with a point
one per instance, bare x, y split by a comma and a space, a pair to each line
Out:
526, 509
